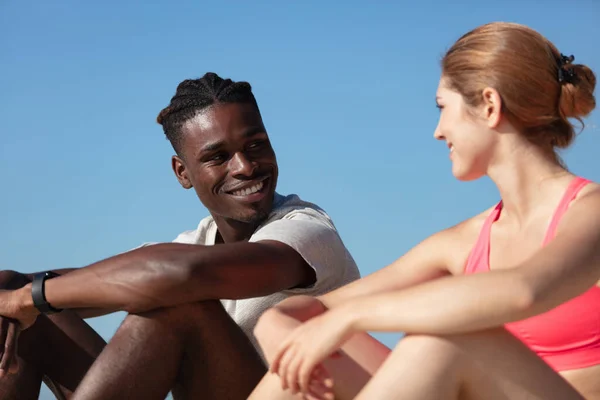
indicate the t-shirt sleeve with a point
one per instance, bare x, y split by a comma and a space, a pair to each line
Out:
317, 242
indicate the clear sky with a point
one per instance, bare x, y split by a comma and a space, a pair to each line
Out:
346, 91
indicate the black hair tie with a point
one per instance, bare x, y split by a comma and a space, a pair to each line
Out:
565, 75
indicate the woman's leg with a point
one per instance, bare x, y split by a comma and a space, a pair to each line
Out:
361, 355
483, 365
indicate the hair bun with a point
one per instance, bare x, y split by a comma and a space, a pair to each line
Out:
577, 96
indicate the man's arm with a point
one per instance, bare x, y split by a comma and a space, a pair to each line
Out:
81, 312
62, 271
172, 273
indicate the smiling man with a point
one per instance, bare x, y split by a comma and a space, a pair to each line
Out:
192, 304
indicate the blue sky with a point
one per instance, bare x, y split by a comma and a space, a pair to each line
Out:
346, 92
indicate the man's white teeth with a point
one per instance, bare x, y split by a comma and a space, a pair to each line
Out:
250, 190
451, 149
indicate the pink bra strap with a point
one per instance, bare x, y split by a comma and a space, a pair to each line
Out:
478, 257
572, 191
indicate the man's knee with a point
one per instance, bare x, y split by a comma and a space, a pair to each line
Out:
180, 319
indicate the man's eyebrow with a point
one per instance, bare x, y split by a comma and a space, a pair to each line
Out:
212, 146
254, 131
216, 145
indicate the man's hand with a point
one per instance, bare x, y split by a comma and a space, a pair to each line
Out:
16, 314
18, 305
9, 327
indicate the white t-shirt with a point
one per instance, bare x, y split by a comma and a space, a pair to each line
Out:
307, 229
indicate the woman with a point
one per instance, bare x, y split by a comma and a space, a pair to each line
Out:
505, 305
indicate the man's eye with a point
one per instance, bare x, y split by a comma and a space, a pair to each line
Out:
218, 157
256, 145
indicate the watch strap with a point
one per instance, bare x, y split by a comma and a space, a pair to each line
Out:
38, 292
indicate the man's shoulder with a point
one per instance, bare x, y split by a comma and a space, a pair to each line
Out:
198, 235
285, 207
291, 206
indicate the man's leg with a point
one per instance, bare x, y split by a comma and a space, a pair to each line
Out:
61, 347
196, 350
24, 385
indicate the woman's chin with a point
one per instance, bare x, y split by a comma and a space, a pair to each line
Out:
465, 175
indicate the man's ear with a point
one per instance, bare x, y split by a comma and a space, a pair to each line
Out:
181, 172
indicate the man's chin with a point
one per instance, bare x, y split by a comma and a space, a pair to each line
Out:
257, 212
249, 213
255, 217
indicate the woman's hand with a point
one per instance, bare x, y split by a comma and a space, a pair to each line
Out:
298, 362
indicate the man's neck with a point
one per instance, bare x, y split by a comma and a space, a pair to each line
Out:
229, 231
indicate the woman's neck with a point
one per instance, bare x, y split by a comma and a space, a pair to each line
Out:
526, 178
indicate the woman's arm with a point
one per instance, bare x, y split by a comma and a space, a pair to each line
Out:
441, 254
565, 268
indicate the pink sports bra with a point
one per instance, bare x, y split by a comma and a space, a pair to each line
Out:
568, 336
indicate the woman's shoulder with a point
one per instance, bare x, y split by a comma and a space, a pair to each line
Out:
592, 189
462, 237
470, 228
584, 206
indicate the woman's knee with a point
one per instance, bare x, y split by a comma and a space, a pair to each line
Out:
454, 353
453, 344
272, 328
287, 315
436, 349
301, 307
269, 323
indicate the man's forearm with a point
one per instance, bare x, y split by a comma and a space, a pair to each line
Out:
81, 312
136, 281
169, 274
61, 272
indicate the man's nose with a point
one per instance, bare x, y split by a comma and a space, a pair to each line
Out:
241, 165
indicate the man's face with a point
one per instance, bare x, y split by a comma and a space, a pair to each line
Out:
226, 156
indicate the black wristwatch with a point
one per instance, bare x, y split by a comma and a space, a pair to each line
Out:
38, 292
